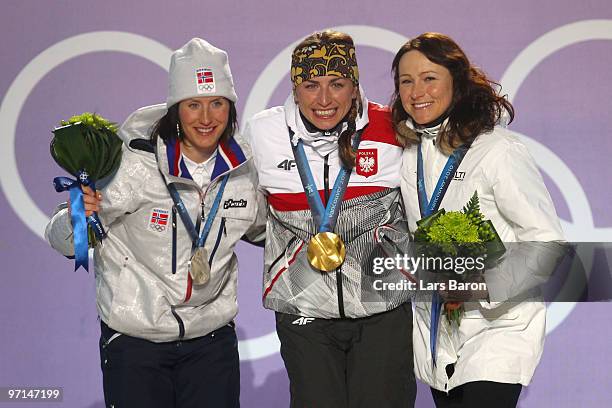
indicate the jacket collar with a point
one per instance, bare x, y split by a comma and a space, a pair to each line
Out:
176, 164
230, 155
427, 131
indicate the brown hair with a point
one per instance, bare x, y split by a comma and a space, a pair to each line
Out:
347, 155
166, 126
476, 105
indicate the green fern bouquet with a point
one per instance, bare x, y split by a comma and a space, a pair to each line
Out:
455, 234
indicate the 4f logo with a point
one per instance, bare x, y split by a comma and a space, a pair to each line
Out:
287, 165
303, 321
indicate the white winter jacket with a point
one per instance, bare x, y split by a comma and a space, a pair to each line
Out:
499, 342
371, 221
142, 282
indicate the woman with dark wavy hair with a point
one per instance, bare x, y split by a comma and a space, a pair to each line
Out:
445, 110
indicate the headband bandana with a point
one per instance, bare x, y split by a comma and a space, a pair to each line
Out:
324, 59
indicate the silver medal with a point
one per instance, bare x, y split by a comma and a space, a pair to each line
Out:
198, 267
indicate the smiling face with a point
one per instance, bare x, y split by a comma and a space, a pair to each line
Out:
203, 121
325, 100
425, 88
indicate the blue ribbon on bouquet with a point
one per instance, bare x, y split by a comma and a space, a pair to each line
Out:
77, 215
429, 207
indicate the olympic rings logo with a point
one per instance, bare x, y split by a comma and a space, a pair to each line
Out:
581, 227
157, 227
206, 87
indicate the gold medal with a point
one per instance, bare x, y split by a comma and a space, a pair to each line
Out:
198, 267
326, 251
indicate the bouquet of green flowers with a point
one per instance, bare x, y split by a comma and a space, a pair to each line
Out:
455, 234
87, 147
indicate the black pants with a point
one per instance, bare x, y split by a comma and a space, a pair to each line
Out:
479, 394
356, 363
202, 372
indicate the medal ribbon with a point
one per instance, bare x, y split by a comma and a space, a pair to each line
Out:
180, 207
428, 207
77, 216
324, 217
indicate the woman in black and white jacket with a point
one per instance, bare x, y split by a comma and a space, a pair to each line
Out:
344, 343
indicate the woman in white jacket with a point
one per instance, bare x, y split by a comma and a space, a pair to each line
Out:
441, 103
183, 196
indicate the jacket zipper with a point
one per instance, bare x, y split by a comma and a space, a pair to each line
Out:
282, 255
180, 323
214, 251
173, 239
189, 284
338, 271
340, 294
197, 227
203, 221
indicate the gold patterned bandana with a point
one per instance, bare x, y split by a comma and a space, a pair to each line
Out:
323, 59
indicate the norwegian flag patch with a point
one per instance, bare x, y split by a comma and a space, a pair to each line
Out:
367, 162
158, 220
205, 80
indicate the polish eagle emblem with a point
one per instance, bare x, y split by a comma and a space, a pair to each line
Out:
367, 162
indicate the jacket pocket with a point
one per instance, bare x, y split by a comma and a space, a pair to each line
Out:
238, 205
281, 260
280, 264
120, 290
108, 336
173, 239
222, 231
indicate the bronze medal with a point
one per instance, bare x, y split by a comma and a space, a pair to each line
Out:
326, 251
198, 267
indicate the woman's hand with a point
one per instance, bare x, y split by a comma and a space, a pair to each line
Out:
465, 295
91, 200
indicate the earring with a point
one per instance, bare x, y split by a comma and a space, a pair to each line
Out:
178, 130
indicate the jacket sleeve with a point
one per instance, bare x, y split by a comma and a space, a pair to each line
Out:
523, 200
521, 196
121, 194
58, 231
256, 234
